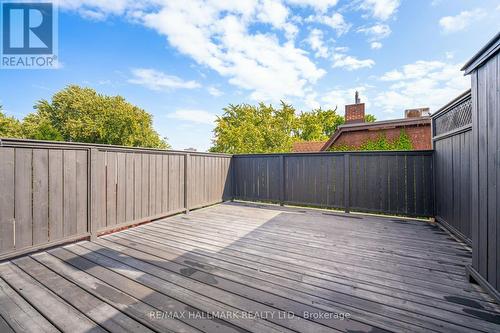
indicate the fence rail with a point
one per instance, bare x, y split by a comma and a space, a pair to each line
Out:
381, 182
53, 192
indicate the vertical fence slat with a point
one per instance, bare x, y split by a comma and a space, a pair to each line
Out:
40, 196
56, 216
129, 187
121, 188
82, 191
23, 198
110, 188
6, 199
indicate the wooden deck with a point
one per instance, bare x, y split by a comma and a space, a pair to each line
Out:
244, 267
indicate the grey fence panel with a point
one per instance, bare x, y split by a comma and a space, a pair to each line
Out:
452, 126
134, 186
43, 197
55, 192
257, 178
315, 180
390, 183
485, 148
208, 179
380, 182
129, 187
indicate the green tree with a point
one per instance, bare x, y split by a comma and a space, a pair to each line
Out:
369, 118
10, 127
245, 128
38, 127
317, 125
82, 115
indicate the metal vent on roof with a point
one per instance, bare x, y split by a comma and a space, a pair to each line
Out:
458, 116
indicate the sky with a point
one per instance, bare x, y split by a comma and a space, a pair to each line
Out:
184, 61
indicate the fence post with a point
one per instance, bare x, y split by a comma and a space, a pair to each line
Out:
347, 185
92, 209
282, 180
187, 171
233, 177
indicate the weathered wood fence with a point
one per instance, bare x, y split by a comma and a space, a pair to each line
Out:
452, 129
380, 182
51, 193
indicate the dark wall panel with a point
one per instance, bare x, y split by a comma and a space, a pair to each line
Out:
380, 182
486, 170
452, 179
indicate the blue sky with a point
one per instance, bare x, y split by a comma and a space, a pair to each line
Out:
183, 61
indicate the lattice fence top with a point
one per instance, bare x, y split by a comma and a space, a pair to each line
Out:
457, 116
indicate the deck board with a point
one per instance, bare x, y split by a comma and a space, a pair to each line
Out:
237, 259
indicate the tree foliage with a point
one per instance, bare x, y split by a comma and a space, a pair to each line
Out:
262, 128
82, 115
317, 125
10, 127
245, 128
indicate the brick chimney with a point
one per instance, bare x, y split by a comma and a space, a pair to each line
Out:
417, 113
355, 113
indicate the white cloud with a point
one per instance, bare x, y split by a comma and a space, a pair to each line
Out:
342, 49
276, 14
376, 32
214, 91
460, 22
376, 45
335, 21
351, 63
339, 98
156, 80
319, 5
380, 9
217, 36
416, 70
316, 42
194, 116
423, 83
100, 9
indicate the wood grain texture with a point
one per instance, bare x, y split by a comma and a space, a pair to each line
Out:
390, 275
56, 214
23, 198
7, 221
41, 196
391, 183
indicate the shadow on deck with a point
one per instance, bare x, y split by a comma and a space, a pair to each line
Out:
240, 267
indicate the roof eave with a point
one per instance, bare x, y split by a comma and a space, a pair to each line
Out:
492, 47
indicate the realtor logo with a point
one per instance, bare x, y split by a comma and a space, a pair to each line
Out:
29, 32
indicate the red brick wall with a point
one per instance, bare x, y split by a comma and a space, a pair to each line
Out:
420, 136
355, 113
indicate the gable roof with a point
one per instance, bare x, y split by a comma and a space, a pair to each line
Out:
377, 125
307, 146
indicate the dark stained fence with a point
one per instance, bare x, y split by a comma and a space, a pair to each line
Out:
484, 70
398, 183
452, 126
55, 192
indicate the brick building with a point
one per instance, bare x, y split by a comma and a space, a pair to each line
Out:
356, 132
